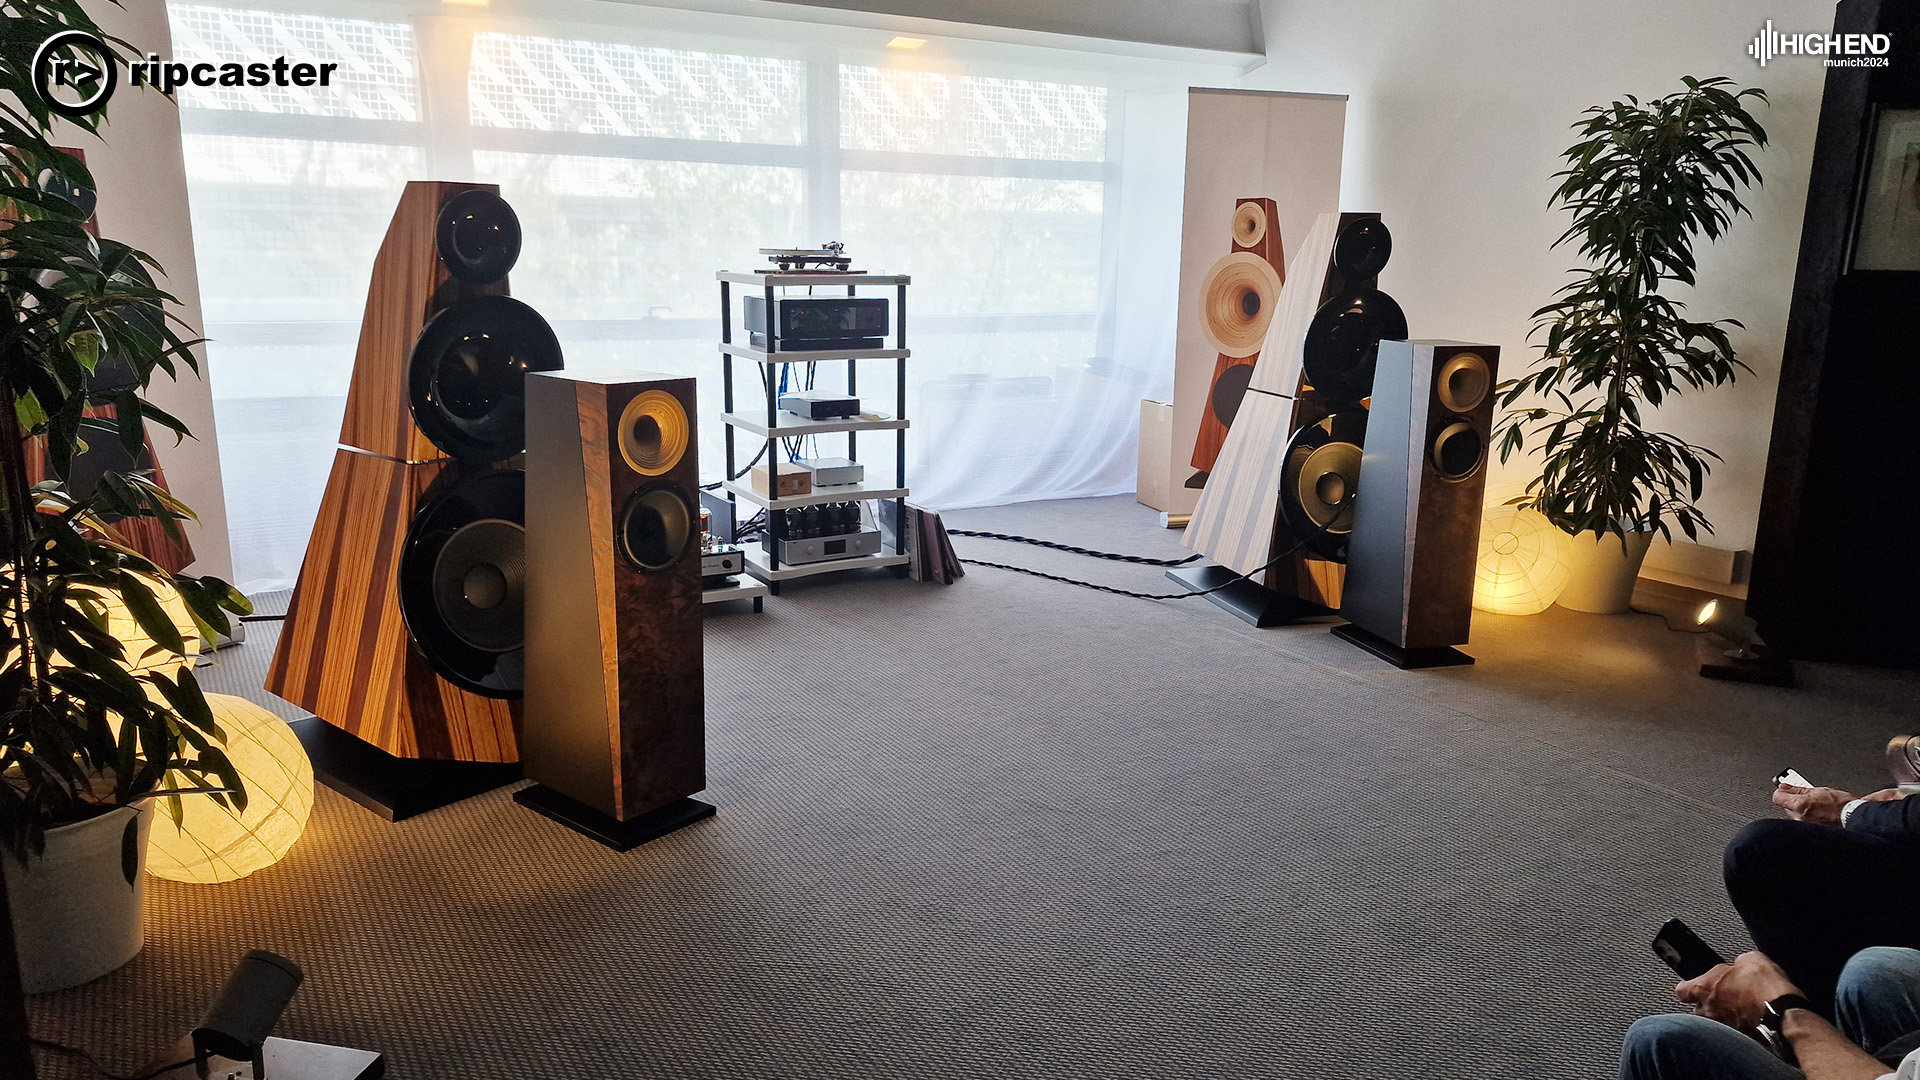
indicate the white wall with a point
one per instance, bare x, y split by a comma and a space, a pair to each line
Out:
142, 181
1457, 115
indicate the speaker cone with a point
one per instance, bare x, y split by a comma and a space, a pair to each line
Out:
465, 379
657, 526
1236, 303
1249, 224
1457, 451
478, 236
1343, 343
463, 580
1319, 480
1463, 382
1362, 249
653, 432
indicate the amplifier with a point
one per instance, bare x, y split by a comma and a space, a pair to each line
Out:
821, 519
832, 471
826, 548
817, 323
820, 406
724, 561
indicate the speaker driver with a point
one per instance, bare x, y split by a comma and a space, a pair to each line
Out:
1236, 303
1228, 391
478, 237
463, 580
1463, 382
1457, 451
653, 432
1362, 249
1249, 224
465, 379
1343, 343
1319, 480
656, 528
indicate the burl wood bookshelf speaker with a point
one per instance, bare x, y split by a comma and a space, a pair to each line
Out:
615, 731
1237, 301
1416, 531
404, 636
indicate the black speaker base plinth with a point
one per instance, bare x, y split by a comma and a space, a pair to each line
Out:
1411, 659
1254, 603
396, 788
607, 829
282, 1059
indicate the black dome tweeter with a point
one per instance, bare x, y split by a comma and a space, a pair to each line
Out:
463, 580
466, 377
1362, 249
478, 237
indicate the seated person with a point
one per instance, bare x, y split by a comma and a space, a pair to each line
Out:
1877, 1009
1815, 890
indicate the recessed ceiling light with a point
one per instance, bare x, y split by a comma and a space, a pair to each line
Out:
906, 43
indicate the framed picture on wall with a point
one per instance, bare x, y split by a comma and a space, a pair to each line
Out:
1889, 236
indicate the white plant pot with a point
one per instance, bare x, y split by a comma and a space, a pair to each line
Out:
1603, 570
76, 908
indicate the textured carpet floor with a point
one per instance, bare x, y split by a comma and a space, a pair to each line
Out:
1013, 828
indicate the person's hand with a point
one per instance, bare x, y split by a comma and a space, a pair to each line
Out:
1886, 795
1820, 804
1736, 994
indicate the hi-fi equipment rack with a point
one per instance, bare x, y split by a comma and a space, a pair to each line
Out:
773, 425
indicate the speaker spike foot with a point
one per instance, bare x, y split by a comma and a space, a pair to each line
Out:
1439, 656
614, 833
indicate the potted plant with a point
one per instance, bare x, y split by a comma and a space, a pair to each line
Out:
90, 736
1644, 182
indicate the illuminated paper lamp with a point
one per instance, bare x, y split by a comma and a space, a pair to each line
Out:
215, 843
142, 653
1523, 562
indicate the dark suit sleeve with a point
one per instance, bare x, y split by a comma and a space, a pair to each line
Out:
1898, 819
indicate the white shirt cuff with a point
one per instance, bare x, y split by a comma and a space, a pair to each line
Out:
1847, 811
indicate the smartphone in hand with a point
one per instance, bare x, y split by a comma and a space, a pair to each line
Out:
1793, 778
1684, 952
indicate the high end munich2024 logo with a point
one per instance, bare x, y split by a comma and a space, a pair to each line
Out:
1841, 50
74, 73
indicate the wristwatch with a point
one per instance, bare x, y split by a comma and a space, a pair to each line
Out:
1773, 1022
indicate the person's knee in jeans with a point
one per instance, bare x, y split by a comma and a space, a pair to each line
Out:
1677, 1046
1878, 1000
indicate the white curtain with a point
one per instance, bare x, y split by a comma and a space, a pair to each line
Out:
1036, 207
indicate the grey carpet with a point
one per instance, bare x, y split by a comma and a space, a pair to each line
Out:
1011, 828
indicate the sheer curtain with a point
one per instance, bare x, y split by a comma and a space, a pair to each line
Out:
1038, 219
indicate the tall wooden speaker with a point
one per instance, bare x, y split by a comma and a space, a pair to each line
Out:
404, 636
1237, 301
1423, 474
616, 684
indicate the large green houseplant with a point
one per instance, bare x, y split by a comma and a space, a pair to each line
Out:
1644, 182
82, 736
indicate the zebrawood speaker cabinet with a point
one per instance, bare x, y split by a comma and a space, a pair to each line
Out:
615, 730
404, 634
1423, 476
1237, 302
1835, 546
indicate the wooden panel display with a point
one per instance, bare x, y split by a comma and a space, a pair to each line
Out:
410, 285
344, 653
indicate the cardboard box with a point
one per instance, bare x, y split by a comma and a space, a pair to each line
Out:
1155, 485
794, 480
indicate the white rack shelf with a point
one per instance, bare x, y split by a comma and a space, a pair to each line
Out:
790, 425
757, 566
784, 356
736, 589
836, 493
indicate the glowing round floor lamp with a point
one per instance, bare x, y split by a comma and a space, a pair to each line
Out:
215, 843
1523, 562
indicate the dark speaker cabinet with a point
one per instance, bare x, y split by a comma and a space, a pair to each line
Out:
1834, 549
